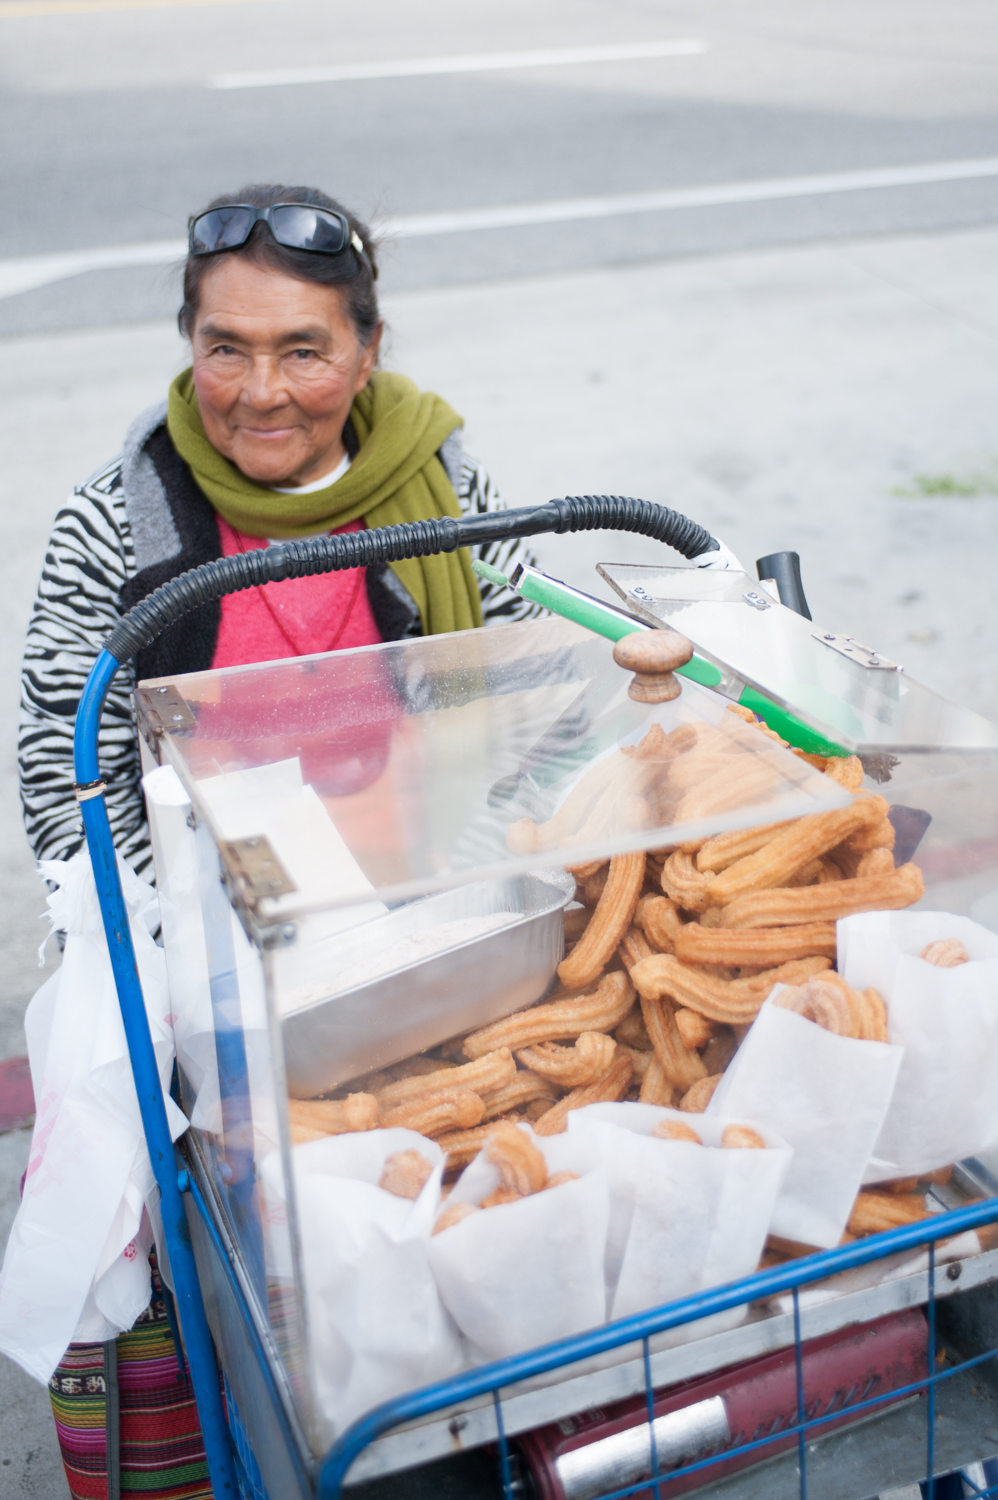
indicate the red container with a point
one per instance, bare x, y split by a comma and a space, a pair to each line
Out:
604, 1450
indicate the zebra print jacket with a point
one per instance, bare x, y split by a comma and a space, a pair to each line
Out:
133, 525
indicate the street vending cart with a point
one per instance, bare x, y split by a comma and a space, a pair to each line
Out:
361, 860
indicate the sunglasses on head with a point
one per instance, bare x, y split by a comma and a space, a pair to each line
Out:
299, 226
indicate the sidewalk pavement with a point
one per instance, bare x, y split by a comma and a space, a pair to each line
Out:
837, 399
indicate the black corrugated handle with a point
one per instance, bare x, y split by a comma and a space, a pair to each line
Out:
784, 569
385, 544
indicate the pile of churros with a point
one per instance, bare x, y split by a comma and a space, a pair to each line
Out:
669, 956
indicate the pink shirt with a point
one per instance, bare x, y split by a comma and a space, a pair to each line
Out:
297, 617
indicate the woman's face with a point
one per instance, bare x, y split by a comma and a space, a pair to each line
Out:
277, 364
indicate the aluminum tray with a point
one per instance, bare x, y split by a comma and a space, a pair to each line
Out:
375, 1024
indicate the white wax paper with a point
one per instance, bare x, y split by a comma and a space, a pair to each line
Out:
945, 1105
827, 1096
377, 1324
527, 1273
682, 1217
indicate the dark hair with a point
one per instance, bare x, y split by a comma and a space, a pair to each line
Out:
355, 272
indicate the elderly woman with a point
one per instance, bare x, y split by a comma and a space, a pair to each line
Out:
283, 426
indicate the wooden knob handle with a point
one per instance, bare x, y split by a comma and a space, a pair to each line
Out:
653, 656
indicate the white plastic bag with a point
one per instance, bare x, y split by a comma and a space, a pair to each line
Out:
945, 1105
682, 1217
827, 1096
76, 1266
526, 1273
377, 1325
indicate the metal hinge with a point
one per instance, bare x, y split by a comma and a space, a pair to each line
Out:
254, 870
861, 655
165, 709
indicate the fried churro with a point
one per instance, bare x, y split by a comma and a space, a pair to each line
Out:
798, 844
696, 1030
634, 946
557, 1179
559, 1021
696, 1099
608, 924
846, 770
742, 1138
686, 885
874, 1212
524, 1088
432, 1114
569, 1067
824, 1004
876, 862
675, 1130
592, 888
655, 1087
765, 946
879, 834
612, 1086
837, 1007
726, 849
311, 1119
681, 1066
500, 1196
485, 1075
945, 953
452, 1214
462, 1146
520, 1165
735, 1001
660, 921
405, 1174
781, 907
732, 785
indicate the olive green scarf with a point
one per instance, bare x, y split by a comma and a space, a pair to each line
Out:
395, 477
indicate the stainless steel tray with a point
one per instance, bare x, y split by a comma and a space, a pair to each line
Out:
375, 1024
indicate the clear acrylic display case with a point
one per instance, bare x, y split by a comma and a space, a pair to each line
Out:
935, 761
311, 817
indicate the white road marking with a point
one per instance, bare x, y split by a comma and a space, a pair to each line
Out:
473, 62
754, 191
22, 273
13, 9
25, 272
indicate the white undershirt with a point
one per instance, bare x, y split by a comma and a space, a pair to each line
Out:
317, 484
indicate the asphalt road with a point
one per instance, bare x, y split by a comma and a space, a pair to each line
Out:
114, 133
815, 370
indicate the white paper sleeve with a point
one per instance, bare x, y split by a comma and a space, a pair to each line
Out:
828, 1097
527, 1273
945, 1105
683, 1217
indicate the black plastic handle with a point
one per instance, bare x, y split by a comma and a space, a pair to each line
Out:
358, 549
784, 569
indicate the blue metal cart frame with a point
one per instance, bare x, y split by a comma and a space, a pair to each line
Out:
250, 1368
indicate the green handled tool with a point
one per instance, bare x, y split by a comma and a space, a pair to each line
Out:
614, 623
